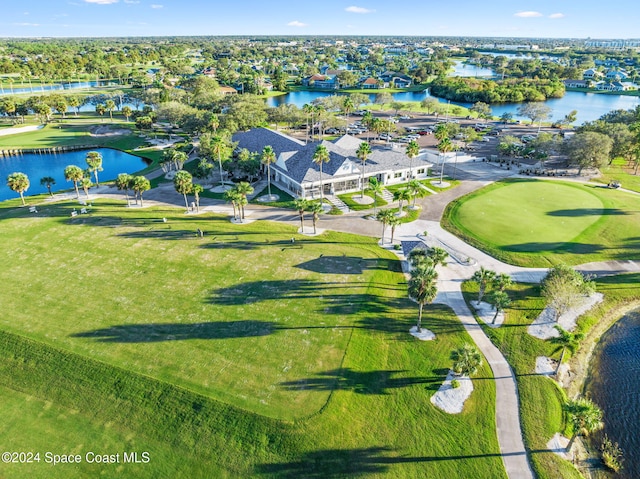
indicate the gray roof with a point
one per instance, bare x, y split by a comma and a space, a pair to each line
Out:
298, 157
257, 138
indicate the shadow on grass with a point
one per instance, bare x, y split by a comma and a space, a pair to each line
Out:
151, 333
554, 247
588, 212
335, 463
348, 264
360, 382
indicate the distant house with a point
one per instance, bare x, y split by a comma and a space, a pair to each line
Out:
370, 84
227, 90
591, 74
576, 83
323, 82
617, 75
209, 71
402, 81
295, 171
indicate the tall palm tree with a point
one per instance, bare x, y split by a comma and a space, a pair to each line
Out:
196, 190
308, 112
100, 109
438, 256
94, 161
416, 191
413, 150
376, 188
502, 281
384, 217
268, 157
419, 257
321, 156
466, 360
302, 205
500, 301
110, 105
18, 182
315, 208
244, 189
367, 119
347, 106
219, 147
423, 289
86, 184
127, 112
394, 222
585, 416
123, 183
233, 197
483, 277
444, 147
48, 181
74, 173
401, 196
566, 341
140, 184
183, 183
363, 151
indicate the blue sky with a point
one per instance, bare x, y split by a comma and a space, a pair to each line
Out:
503, 18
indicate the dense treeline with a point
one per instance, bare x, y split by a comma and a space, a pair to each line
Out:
489, 91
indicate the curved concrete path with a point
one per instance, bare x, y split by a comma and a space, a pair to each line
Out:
509, 432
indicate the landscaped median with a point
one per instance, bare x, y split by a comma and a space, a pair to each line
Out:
236, 354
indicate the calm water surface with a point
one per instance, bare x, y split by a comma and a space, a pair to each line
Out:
37, 166
615, 387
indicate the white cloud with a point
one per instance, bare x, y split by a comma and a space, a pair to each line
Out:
102, 2
296, 23
131, 2
528, 14
156, 6
556, 15
24, 24
354, 9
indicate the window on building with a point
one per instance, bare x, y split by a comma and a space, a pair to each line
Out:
397, 175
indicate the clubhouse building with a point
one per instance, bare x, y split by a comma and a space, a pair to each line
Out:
295, 172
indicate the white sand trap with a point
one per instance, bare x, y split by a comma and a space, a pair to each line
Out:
452, 400
543, 326
558, 445
366, 200
486, 312
22, 129
423, 335
107, 130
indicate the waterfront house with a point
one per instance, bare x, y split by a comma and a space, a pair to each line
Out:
296, 173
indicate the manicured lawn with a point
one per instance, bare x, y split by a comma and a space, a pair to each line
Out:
356, 206
193, 346
620, 171
539, 223
540, 398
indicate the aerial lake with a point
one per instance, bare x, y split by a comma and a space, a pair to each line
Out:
37, 166
614, 385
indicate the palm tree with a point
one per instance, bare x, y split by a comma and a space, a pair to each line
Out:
394, 222
233, 197
321, 156
183, 183
376, 188
413, 150
94, 161
48, 181
301, 204
363, 151
74, 102
18, 182
466, 360
585, 416
347, 106
110, 105
401, 196
566, 341
86, 184
315, 208
500, 301
74, 173
140, 184
416, 191
419, 257
196, 190
438, 256
268, 157
423, 289
384, 217
244, 189
126, 111
502, 281
123, 182
367, 119
219, 146
100, 109
308, 112
444, 147
483, 277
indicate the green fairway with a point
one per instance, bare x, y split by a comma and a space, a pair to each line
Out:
538, 223
189, 344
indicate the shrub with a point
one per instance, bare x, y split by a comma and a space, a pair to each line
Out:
611, 454
455, 384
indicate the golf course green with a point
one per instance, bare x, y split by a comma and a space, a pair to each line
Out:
541, 223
